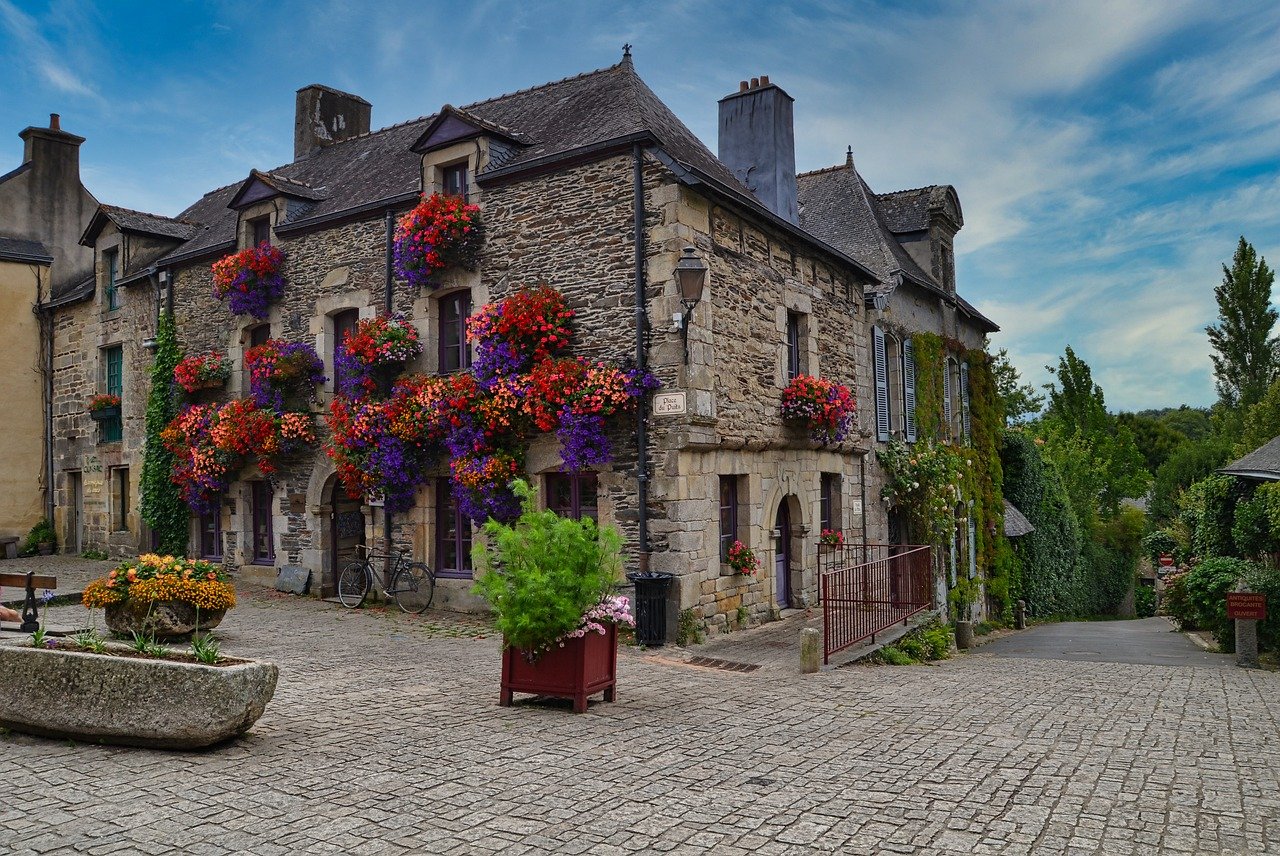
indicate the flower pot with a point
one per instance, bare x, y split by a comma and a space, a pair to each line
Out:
964, 635
163, 619
102, 414
45, 548
577, 669
163, 704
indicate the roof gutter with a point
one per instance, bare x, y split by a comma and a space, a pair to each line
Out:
30, 258
379, 206
570, 157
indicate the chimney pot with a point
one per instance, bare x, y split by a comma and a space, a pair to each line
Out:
764, 80
755, 83
55, 123
743, 86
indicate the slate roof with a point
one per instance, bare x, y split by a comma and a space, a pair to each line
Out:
907, 210
128, 220
1016, 523
552, 120
22, 250
1262, 464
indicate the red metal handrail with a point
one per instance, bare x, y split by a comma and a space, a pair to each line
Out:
867, 588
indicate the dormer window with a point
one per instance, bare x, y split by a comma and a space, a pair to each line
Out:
260, 231
453, 180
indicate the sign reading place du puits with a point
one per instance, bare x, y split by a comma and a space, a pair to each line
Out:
668, 404
1247, 605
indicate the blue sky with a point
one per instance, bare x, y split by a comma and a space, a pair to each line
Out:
1107, 154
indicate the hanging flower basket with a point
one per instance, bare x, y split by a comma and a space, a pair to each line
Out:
376, 351
205, 371
104, 407
824, 408
283, 373
441, 232
250, 279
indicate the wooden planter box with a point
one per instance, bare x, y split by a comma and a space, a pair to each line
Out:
102, 414
582, 668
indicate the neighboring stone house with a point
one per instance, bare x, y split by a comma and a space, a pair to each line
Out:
43, 209
563, 173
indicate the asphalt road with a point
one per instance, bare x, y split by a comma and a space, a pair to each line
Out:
1145, 641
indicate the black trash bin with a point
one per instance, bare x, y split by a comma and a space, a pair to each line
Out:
651, 607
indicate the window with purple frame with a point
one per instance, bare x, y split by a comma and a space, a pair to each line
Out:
453, 180
793, 346
264, 552
455, 308
453, 535
829, 510
573, 495
344, 322
728, 514
260, 231
211, 536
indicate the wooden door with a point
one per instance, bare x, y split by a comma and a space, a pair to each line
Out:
782, 556
345, 534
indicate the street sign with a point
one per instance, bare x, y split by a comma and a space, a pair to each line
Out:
668, 404
1249, 606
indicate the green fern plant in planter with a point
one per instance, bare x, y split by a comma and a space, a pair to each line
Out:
549, 580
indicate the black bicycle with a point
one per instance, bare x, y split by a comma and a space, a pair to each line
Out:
413, 584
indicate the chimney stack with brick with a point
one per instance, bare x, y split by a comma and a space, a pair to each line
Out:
757, 142
324, 115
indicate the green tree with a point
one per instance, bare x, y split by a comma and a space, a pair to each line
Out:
1155, 439
1020, 399
1261, 421
1247, 354
1186, 465
162, 506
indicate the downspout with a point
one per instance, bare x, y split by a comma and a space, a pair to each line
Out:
388, 299
642, 326
862, 487
45, 315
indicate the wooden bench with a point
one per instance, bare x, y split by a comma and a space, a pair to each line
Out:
29, 582
9, 547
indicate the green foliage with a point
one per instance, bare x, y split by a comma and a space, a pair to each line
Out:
94, 554
1261, 422
985, 484
928, 642
1109, 560
1265, 579
1049, 555
1245, 359
1018, 400
90, 640
161, 505
1144, 600
741, 617
41, 533
930, 364
1194, 423
1208, 510
543, 572
1158, 543
891, 656
923, 479
1186, 465
1197, 600
689, 630
205, 648
1155, 440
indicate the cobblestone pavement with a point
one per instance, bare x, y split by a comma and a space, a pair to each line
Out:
385, 737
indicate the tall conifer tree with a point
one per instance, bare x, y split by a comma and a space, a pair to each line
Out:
1247, 355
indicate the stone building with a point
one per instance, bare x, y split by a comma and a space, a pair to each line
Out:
591, 185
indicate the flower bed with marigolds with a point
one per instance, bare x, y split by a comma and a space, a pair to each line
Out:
824, 407
211, 442
440, 232
382, 342
102, 402
482, 419
202, 371
278, 369
151, 578
250, 279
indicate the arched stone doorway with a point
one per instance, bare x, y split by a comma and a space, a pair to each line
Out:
787, 544
346, 532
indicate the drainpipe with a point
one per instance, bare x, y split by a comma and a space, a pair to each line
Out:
862, 486
642, 327
45, 315
388, 298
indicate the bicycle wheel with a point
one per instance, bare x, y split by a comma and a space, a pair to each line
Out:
414, 586
353, 585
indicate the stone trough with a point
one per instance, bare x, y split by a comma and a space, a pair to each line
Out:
161, 704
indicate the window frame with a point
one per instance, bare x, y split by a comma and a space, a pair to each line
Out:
210, 548
448, 171
111, 259
340, 320
578, 484
120, 499
456, 356
260, 513
830, 510
450, 519
730, 502
795, 342
259, 223
112, 430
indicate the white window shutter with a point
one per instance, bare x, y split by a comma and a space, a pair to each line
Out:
964, 399
973, 550
946, 398
909, 388
881, 368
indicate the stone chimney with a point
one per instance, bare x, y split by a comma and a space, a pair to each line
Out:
52, 152
757, 142
324, 116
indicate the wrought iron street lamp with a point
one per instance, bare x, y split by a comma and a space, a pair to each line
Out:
691, 276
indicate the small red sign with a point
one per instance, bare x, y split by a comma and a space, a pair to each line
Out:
1246, 605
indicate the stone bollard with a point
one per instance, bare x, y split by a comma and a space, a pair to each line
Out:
1246, 634
1020, 615
810, 651
964, 635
